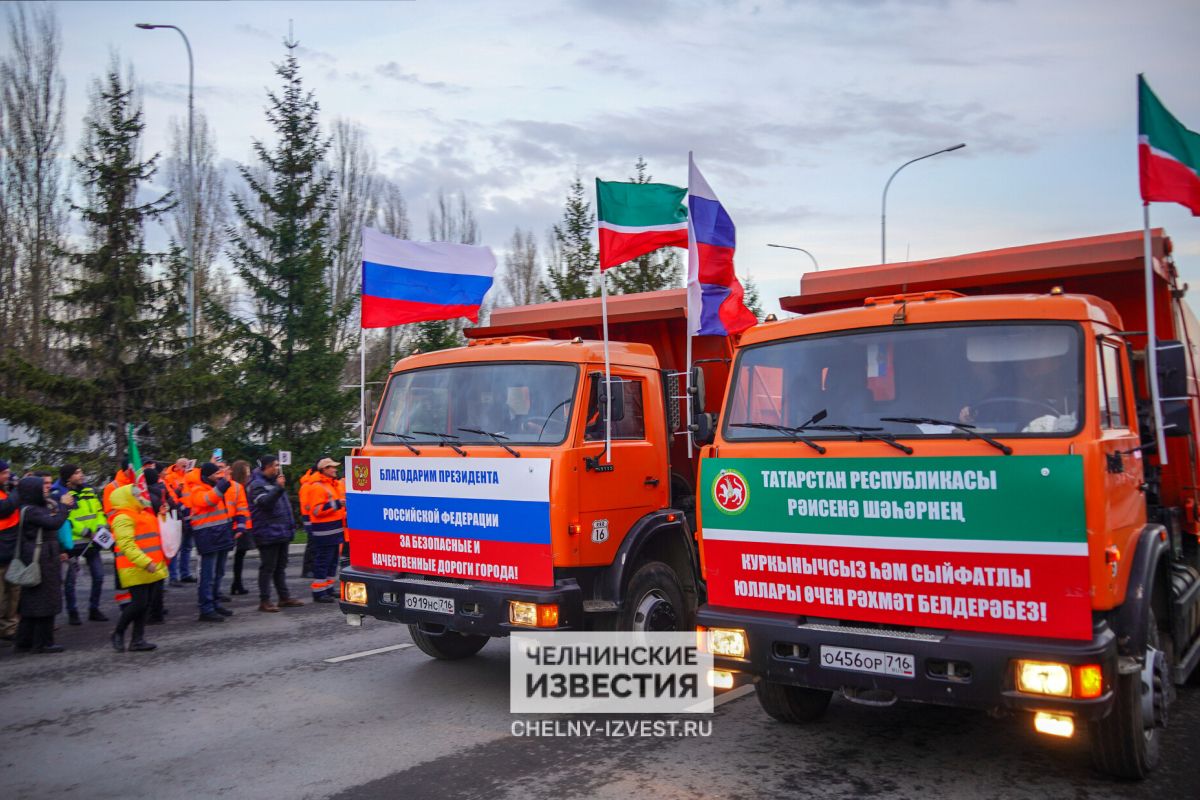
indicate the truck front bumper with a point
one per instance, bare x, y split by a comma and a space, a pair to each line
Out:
479, 608
969, 670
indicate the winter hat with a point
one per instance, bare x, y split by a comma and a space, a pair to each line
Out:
66, 472
3, 465
208, 469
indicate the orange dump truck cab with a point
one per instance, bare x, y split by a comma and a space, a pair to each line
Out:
500, 490
940, 484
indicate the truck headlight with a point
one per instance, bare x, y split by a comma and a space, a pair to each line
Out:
355, 593
1044, 677
533, 615
729, 642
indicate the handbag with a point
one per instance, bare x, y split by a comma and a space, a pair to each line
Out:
19, 572
170, 529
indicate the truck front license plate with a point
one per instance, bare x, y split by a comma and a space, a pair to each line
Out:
420, 602
872, 661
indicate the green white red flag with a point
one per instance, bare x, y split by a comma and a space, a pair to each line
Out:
638, 218
1168, 154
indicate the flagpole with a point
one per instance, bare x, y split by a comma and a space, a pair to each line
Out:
607, 369
687, 328
1160, 437
362, 382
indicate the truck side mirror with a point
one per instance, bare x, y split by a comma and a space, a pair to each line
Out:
1172, 369
697, 388
703, 428
1176, 417
601, 397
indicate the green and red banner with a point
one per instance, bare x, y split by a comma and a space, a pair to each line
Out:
992, 544
638, 218
1168, 154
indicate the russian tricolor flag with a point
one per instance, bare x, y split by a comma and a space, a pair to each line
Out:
405, 281
715, 306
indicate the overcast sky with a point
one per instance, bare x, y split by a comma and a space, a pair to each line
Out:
797, 111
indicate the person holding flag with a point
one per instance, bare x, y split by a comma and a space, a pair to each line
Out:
141, 562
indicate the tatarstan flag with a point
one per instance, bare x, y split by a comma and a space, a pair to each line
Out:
1168, 154
638, 218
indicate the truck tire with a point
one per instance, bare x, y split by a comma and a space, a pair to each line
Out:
654, 601
1125, 744
792, 704
448, 646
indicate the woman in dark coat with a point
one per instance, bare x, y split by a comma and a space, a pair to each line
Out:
39, 604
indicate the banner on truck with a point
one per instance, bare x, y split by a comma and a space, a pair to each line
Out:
967, 543
485, 519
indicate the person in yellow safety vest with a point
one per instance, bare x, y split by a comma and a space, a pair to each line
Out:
86, 519
141, 562
324, 500
10, 593
239, 508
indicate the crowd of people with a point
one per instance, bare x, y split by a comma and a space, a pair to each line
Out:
151, 520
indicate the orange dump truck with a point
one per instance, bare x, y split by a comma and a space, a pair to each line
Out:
486, 499
940, 484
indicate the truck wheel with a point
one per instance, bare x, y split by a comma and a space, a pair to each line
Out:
792, 704
448, 646
1126, 743
654, 601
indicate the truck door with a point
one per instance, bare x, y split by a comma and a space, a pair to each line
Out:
610, 502
1124, 504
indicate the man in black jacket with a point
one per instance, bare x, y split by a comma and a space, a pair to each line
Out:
273, 529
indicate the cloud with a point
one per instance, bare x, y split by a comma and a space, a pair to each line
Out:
395, 72
607, 64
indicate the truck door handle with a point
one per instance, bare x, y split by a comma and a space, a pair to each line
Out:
651, 481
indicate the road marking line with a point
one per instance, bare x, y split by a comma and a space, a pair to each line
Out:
365, 653
733, 694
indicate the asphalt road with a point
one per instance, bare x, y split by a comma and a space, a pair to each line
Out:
252, 708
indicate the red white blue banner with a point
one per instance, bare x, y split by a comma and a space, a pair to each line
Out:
484, 519
404, 281
715, 304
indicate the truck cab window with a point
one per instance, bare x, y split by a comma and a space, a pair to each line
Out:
526, 403
629, 427
1112, 388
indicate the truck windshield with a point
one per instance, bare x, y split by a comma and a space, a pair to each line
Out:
1013, 378
525, 403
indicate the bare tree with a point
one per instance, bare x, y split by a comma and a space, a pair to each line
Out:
393, 211
212, 210
32, 137
451, 222
393, 220
521, 281
356, 205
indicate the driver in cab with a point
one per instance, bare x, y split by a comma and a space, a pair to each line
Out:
1035, 400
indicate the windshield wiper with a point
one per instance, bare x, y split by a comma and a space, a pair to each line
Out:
969, 430
551, 414
446, 439
865, 433
401, 437
495, 437
793, 432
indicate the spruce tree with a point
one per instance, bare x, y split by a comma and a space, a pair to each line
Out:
661, 269
751, 298
570, 275
287, 366
126, 358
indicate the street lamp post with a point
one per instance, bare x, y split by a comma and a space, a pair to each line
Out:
883, 216
191, 199
816, 266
